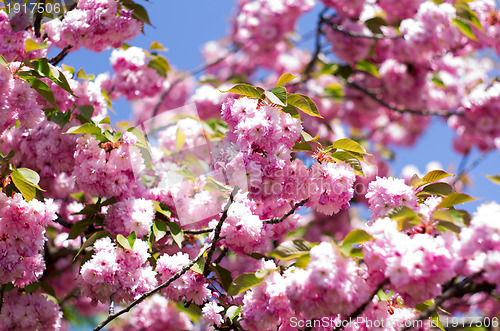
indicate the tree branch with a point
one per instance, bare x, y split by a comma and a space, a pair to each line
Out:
281, 219
310, 66
471, 166
40, 6
422, 112
217, 231
357, 35
456, 290
59, 57
362, 308
157, 289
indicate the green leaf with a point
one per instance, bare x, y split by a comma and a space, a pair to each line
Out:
176, 232
159, 229
84, 128
243, 282
139, 134
458, 217
302, 147
245, 89
3, 61
405, 217
354, 237
375, 23
438, 82
180, 139
31, 45
43, 89
447, 226
382, 296
495, 179
81, 74
32, 287
157, 46
86, 112
199, 266
280, 94
349, 145
304, 103
139, 12
91, 241
123, 242
335, 91
439, 189
291, 110
160, 64
465, 28
47, 288
233, 312
454, 199
60, 118
352, 161
285, 78
223, 275
368, 67
80, 226
435, 175
291, 249
303, 261
26, 181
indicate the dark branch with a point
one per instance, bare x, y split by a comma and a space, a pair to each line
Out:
38, 19
281, 219
217, 231
155, 290
362, 308
357, 35
59, 57
422, 112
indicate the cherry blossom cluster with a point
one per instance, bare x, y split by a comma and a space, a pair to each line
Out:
416, 266
22, 233
102, 172
385, 193
130, 215
94, 25
117, 274
29, 312
191, 285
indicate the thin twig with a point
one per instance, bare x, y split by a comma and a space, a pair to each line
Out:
471, 166
456, 290
217, 231
362, 308
281, 219
310, 66
422, 112
155, 290
358, 35
40, 7
59, 57
63, 222
2, 290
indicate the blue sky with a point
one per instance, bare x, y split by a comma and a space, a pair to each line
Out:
183, 26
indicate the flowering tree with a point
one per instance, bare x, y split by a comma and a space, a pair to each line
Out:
231, 204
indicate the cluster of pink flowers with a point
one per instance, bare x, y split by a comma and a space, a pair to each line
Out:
478, 124
118, 274
94, 25
266, 306
415, 266
211, 313
261, 27
155, 314
22, 237
347, 48
107, 173
132, 77
480, 244
191, 285
17, 100
243, 229
386, 193
331, 284
29, 312
13, 39
130, 215
332, 187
